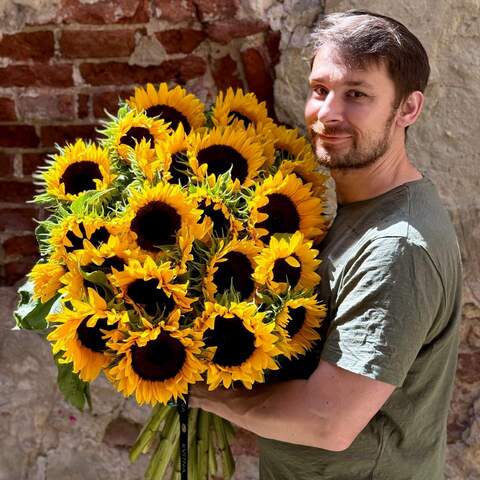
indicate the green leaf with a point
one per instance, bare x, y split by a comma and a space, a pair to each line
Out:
75, 390
31, 314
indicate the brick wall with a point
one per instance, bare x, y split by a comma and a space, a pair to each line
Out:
58, 78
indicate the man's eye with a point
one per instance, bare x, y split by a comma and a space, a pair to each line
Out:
321, 91
355, 94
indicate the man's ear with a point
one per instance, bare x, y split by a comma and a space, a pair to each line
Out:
410, 109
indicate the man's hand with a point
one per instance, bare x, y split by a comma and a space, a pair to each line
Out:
326, 411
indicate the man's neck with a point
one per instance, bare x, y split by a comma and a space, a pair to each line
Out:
389, 171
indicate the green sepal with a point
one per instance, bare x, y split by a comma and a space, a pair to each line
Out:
31, 314
75, 390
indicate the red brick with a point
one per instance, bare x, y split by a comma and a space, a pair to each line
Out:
6, 164
90, 44
258, 76
272, 41
15, 271
61, 134
31, 161
104, 11
108, 101
468, 369
83, 105
46, 107
225, 73
37, 46
37, 75
7, 110
16, 191
113, 73
214, 10
174, 10
226, 30
17, 219
24, 245
18, 136
183, 40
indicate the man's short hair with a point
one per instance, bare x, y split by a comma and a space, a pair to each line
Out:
363, 38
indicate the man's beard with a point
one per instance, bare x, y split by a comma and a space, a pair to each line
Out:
357, 156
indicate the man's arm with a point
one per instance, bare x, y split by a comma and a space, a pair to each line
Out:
326, 411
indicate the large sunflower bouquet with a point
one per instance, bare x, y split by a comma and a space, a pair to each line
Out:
178, 249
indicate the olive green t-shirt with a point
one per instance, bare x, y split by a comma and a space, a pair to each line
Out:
391, 279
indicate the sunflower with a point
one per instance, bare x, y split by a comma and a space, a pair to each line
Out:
232, 265
172, 155
157, 363
81, 334
221, 149
297, 323
144, 160
284, 205
129, 130
216, 218
74, 233
76, 169
287, 263
160, 216
239, 345
112, 254
162, 205
175, 106
46, 280
74, 284
307, 170
290, 145
153, 289
232, 108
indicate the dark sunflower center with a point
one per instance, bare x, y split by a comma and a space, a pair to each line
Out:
159, 359
236, 270
285, 154
240, 116
220, 223
169, 114
77, 242
220, 158
155, 224
99, 236
79, 177
135, 135
235, 344
178, 169
114, 262
283, 272
153, 300
91, 337
282, 215
297, 319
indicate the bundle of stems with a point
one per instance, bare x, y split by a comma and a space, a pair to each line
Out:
209, 438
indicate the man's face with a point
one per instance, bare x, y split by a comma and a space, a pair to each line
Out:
349, 112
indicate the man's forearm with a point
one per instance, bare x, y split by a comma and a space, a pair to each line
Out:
280, 411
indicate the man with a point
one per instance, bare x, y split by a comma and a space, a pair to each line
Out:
375, 406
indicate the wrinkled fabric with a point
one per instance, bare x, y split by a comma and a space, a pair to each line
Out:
391, 278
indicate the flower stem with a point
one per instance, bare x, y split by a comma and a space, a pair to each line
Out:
228, 463
202, 445
212, 453
192, 443
148, 433
163, 453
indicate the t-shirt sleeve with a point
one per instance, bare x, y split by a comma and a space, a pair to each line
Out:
387, 301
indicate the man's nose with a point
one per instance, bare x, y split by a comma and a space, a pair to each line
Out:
331, 110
